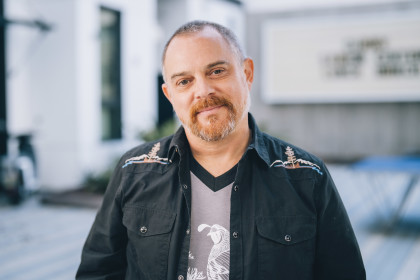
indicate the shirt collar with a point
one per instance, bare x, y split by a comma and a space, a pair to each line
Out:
179, 143
257, 141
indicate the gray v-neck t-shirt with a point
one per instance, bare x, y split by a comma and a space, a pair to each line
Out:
209, 255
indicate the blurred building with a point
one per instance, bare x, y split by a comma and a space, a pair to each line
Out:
83, 76
339, 78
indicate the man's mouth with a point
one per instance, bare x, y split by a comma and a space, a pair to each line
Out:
210, 108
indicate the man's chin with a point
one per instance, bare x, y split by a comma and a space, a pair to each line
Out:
211, 136
213, 131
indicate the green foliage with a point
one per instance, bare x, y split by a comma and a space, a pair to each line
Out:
97, 183
158, 132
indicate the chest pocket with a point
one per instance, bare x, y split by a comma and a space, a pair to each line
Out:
286, 246
149, 233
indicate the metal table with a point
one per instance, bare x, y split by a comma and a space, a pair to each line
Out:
401, 164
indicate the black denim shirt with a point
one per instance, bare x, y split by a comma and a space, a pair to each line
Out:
287, 220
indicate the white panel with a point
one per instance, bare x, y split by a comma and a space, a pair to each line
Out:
342, 59
269, 6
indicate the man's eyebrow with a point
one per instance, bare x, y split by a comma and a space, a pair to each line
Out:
211, 65
178, 75
220, 62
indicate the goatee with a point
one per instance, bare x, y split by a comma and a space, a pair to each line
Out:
213, 128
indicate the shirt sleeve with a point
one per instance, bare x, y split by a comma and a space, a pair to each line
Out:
337, 252
103, 255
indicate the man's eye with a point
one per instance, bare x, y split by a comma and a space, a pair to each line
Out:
183, 82
218, 71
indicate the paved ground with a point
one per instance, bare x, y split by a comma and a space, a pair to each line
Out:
43, 241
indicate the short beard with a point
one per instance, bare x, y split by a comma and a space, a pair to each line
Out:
215, 129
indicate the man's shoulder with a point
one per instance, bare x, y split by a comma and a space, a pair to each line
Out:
290, 156
160, 145
149, 152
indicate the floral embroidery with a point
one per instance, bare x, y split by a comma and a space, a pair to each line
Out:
293, 163
151, 157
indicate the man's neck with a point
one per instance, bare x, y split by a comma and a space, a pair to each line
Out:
218, 157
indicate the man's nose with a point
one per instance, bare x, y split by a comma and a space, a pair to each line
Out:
203, 88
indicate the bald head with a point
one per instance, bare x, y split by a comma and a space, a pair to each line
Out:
197, 26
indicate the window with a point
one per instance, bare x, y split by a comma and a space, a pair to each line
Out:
110, 73
165, 111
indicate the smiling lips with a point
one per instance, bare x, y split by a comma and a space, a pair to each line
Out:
210, 108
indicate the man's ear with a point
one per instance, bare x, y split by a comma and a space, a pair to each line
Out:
249, 71
166, 92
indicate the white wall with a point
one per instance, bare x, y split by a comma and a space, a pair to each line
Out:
22, 46
169, 21
56, 92
47, 106
223, 12
138, 86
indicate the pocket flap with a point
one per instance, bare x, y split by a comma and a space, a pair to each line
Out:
286, 230
148, 222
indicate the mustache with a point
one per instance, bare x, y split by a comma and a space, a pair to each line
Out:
211, 101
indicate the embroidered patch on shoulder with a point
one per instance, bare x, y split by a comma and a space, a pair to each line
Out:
293, 163
151, 157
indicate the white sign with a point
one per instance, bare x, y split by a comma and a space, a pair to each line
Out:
344, 59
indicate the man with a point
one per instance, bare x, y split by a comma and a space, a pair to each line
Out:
219, 199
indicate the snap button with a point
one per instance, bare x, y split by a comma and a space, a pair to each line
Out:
236, 188
188, 231
143, 229
185, 187
180, 277
288, 238
235, 234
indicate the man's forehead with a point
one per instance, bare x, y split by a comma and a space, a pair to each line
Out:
204, 48
208, 35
